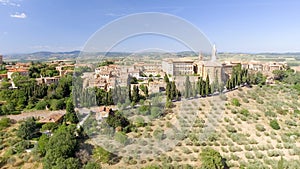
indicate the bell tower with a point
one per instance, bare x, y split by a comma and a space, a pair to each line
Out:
200, 57
214, 53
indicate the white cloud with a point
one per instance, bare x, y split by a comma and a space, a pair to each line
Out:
18, 15
113, 14
9, 3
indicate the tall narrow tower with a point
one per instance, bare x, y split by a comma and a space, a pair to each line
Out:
1, 59
214, 53
200, 57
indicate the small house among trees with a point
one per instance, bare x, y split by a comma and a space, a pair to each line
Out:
53, 118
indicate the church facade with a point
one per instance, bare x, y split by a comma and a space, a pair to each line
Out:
199, 67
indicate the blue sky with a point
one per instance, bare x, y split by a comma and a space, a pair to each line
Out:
234, 26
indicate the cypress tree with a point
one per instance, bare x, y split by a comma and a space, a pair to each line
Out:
166, 78
168, 91
146, 91
199, 87
177, 95
207, 86
129, 93
110, 100
228, 84
202, 88
135, 95
173, 90
70, 112
106, 98
187, 92
194, 87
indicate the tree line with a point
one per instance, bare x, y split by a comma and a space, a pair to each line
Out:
242, 76
30, 95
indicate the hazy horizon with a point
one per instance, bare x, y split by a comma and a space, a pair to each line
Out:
239, 27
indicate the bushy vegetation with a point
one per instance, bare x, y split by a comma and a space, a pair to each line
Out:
233, 138
102, 155
239, 76
171, 90
235, 102
117, 119
60, 149
212, 159
4, 123
28, 129
260, 127
158, 134
30, 95
274, 124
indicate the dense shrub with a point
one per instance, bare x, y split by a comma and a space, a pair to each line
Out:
92, 165
231, 129
235, 102
290, 123
4, 123
249, 155
297, 111
259, 155
28, 129
101, 155
158, 134
259, 100
274, 124
121, 138
270, 114
260, 127
22, 145
210, 158
245, 100
248, 148
274, 153
139, 121
281, 111
117, 119
245, 112
49, 126
235, 149
41, 105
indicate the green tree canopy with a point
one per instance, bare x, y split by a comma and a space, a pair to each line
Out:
211, 159
70, 112
92, 165
60, 147
102, 155
28, 129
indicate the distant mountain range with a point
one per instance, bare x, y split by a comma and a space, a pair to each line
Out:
72, 55
48, 56
43, 55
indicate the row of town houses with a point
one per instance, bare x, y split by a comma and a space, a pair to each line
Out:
23, 70
106, 77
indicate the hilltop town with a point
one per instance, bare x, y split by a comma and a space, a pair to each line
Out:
105, 76
148, 76
157, 103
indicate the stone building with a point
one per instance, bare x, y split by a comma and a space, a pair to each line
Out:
178, 66
184, 66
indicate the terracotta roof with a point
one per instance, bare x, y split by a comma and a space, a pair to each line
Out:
52, 118
105, 109
17, 70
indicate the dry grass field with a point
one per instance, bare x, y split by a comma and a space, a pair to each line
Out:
236, 124
240, 132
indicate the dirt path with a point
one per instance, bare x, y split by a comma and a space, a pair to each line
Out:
36, 114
